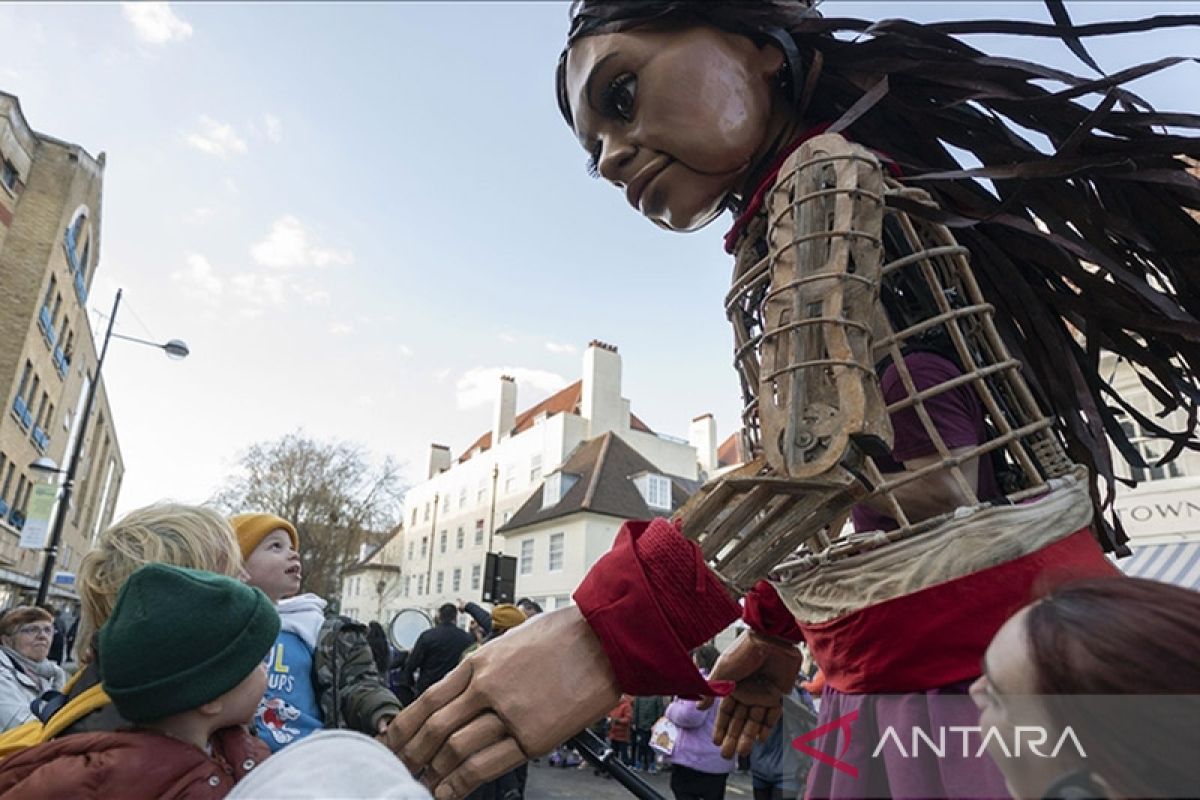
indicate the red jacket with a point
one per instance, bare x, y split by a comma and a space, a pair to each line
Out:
619, 720
131, 765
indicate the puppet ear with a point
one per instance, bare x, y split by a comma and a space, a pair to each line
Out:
791, 74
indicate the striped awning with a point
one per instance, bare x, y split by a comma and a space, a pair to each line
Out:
1177, 562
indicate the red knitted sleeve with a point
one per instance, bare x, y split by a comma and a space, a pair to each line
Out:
765, 612
651, 600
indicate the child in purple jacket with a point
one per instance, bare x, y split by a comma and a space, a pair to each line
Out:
698, 771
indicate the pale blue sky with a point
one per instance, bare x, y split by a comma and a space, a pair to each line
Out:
357, 215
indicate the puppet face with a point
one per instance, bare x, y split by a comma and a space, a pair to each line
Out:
672, 118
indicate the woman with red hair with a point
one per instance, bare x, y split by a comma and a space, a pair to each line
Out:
1115, 661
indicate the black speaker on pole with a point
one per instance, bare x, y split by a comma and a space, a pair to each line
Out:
499, 578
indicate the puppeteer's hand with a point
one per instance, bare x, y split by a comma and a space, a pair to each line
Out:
516, 697
764, 669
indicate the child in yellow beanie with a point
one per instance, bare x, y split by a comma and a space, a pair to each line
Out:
320, 673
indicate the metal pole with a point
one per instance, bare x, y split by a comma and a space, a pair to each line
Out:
64, 501
597, 753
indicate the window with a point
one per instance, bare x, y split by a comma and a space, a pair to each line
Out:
1151, 451
424, 544
510, 478
411, 545
658, 492
460, 538
407, 584
8, 175
478, 532
442, 542
414, 522
446, 503
50, 290
481, 492
420, 584
426, 515
525, 563
556, 552
507, 516
441, 579
535, 469
476, 572
456, 579
462, 497
562, 600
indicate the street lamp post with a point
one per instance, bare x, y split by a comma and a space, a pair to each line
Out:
174, 349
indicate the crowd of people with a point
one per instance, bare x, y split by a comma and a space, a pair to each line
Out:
169, 702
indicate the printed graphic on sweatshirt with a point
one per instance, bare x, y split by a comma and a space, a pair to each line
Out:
289, 710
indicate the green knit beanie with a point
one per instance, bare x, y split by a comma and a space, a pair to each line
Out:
178, 638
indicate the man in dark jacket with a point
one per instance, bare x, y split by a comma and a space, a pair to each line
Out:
437, 650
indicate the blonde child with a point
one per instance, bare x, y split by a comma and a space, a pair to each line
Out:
181, 659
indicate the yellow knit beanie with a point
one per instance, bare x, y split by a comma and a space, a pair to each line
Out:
506, 616
251, 529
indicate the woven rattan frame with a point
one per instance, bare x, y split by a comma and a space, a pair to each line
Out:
816, 307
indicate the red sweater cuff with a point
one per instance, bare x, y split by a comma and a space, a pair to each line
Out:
765, 612
651, 600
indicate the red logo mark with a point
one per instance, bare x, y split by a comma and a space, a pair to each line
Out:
841, 723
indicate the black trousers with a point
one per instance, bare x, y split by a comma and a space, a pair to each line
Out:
692, 784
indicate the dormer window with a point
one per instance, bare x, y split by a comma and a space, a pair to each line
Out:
556, 486
657, 492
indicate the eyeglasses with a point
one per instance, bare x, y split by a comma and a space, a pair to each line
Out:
34, 630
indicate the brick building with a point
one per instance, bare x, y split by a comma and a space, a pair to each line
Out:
50, 197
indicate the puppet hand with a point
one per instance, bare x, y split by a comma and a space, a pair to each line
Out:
764, 669
516, 697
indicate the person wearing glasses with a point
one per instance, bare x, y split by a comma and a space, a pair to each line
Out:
26, 670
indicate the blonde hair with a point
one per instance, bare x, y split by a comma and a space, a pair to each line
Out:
164, 533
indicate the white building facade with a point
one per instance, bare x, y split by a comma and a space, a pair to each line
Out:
451, 519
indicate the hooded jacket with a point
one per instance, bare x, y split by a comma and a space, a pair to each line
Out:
349, 688
131, 765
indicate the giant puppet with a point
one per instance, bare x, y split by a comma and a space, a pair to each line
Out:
918, 345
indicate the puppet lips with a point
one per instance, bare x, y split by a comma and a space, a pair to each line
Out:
637, 186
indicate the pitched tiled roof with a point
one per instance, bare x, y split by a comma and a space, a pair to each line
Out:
567, 399
606, 466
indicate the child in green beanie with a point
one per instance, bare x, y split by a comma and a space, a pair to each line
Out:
181, 658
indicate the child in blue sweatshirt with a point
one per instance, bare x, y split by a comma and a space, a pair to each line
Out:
314, 655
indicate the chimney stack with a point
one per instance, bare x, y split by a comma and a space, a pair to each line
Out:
505, 415
439, 459
703, 436
601, 403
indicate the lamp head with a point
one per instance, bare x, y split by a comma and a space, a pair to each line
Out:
176, 349
45, 465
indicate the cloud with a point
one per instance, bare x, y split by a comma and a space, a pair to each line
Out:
259, 291
312, 295
505, 336
274, 128
156, 23
341, 329
477, 387
289, 244
230, 185
198, 277
404, 350
558, 347
217, 138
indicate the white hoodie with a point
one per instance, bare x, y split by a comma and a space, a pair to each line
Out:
302, 615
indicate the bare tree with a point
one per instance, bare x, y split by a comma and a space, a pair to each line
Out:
328, 490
